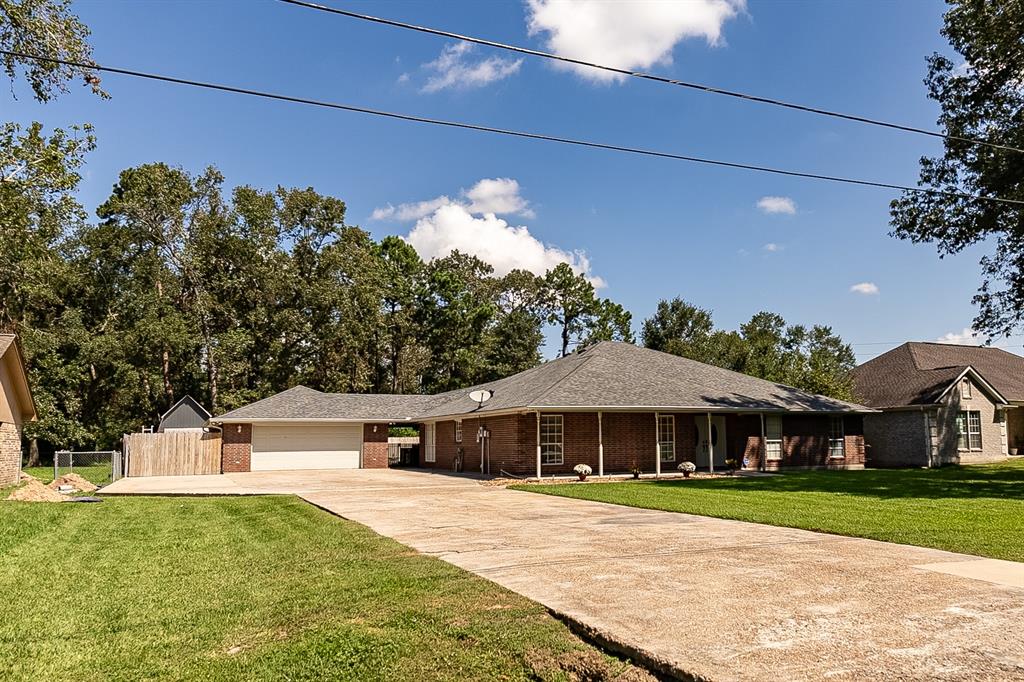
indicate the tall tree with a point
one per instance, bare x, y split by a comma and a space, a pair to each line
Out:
679, 328
516, 336
981, 94
455, 309
46, 28
402, 283
39, 175
611, 322
571, 304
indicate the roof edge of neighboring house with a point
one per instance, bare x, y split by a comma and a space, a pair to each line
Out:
181, 400
23, 370
979, 377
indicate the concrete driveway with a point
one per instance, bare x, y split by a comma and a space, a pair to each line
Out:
709, 598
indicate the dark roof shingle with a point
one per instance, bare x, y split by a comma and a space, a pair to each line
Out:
916, 373
608, 375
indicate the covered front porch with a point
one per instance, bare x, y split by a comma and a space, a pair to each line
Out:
615, 442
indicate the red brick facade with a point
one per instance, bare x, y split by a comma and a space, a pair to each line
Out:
630, 440
375, 446
236, 448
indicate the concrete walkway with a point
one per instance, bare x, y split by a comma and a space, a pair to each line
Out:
717, 599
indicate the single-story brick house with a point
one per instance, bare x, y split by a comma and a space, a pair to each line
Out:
612, 406
942, 404
16, 407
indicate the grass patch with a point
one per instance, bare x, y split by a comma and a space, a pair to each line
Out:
94, 473
250, 588
971, 509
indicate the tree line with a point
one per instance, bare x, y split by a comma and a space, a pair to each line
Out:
183, 286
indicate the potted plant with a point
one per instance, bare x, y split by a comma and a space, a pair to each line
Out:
687, 468
583, 470
731, 465
636, 471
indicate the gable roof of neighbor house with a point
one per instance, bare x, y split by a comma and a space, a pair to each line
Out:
187, 413
918, 373
11, 349
609, 375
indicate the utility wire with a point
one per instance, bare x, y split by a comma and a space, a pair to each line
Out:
647, 76
509, 132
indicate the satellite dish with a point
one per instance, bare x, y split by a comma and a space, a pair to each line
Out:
480, 397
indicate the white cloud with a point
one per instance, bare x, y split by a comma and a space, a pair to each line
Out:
866, 288
453, 69
412, 211
403, 78
628, 35
493, 240
491, 195
497, 195
965, 337
771, 247
777, 205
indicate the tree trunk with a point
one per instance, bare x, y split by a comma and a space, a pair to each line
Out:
33, 453
565, 336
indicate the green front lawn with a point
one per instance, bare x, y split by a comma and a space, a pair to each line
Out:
972, 509
252, 588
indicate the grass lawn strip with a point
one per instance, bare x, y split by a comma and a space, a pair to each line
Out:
970, 509
254, 588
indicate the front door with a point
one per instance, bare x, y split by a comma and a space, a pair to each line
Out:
710, 443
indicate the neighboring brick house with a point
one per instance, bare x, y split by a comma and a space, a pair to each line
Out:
613, 406
16, 407
942, 404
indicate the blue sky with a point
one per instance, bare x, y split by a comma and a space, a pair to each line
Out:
649, 228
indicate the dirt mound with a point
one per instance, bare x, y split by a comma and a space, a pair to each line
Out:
35, 491
27, 477
73, 480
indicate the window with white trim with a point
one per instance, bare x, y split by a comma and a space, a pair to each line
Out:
667, 437
773, 438
458, 430
837, 439
965, 388
968, 430
429, 451
551, 448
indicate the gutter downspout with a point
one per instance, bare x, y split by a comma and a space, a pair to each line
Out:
764, 446
711, 448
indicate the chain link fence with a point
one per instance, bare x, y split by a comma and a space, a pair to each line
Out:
99, 467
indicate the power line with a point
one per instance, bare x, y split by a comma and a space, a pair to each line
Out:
647, 76
512, 133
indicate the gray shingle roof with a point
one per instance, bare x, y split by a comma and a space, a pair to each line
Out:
917, 373
305, 403
607, 375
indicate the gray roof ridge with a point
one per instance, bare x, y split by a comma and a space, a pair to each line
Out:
568, 374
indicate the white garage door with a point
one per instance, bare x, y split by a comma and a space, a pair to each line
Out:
306, 446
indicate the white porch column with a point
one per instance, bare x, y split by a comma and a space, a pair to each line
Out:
657, 446
538, 445
763, 449
711, 448
600, 447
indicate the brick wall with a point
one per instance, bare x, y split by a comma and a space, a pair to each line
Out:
993, 447
897, 439
629, 440
375, 446
236, 448
10, 453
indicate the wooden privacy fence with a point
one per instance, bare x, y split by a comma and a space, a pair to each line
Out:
172, 453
